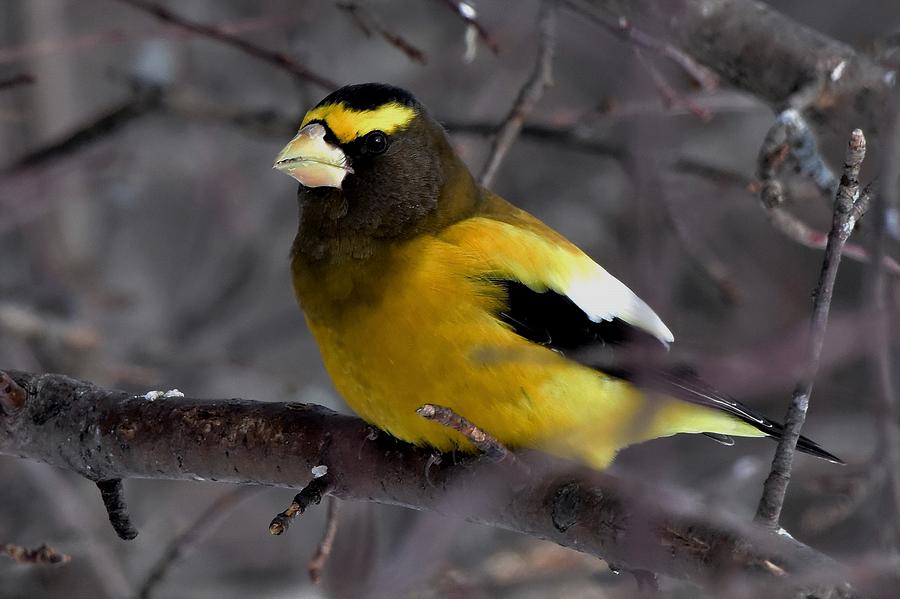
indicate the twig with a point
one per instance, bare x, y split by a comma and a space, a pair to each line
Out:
625, 30
113, 497
183, 544
465, 12
788, 224
145, 100
671, 97
541, 77
483, 441
708, 262
850, 205
16, 80
317, 563
311, 494
367, 23
44, 554
273, 57
12, 396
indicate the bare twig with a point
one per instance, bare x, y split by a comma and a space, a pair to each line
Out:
465, 12
788, 224
320, 485
625, 30
44, 554
850, 205
273, 57
183, 544
16, 80
631, 523
541, 77
368, 23
670, 97
486, 444
144, 100
317, 563
113, 496
708, 262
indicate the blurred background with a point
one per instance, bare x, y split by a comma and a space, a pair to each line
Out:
150, 251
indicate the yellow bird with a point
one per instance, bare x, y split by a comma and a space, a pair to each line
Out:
420, 286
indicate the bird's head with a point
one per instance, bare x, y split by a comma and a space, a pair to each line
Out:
376, 149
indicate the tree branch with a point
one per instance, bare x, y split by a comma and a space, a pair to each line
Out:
763, 52
541, 77
107, 434
850, 204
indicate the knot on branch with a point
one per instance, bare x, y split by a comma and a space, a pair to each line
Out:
566, 505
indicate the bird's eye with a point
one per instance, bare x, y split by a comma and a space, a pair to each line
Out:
376, 143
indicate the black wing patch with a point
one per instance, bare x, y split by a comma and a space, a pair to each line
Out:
622, 351
552, 319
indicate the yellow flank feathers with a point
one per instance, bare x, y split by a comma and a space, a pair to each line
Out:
348, 124
435, 338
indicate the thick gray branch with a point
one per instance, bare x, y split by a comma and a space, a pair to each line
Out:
105, 434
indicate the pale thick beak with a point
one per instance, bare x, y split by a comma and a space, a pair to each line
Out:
311, 160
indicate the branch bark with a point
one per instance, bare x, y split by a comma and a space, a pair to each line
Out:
763, 52
107, 434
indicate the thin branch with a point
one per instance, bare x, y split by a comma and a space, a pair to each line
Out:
631, 523
850, 205
467, 13
670, 97
625, 30
213, 32
788, 224
484, 442
113, 496
368, 23
541, 77
183, 544
144, 100
320, 486
44, 554
317, 563
16, 80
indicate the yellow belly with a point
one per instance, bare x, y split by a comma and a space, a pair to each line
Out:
428, 334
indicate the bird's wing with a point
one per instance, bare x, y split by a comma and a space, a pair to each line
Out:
554, 289
557, 296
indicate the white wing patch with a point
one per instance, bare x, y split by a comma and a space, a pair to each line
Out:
604, 297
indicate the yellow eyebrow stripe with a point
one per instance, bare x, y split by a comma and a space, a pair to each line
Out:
348, 124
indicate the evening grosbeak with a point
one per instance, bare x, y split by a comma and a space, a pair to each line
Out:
420, 286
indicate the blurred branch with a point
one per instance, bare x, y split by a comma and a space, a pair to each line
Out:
759, 50
467, 13
625, 30
323, 550
531, 92
625, 521
213, 32
369, 24
183, 544
882, 288
16, 80
144, 100
44, 554
850, 204
788, 224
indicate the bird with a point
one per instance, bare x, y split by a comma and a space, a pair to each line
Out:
422, 287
